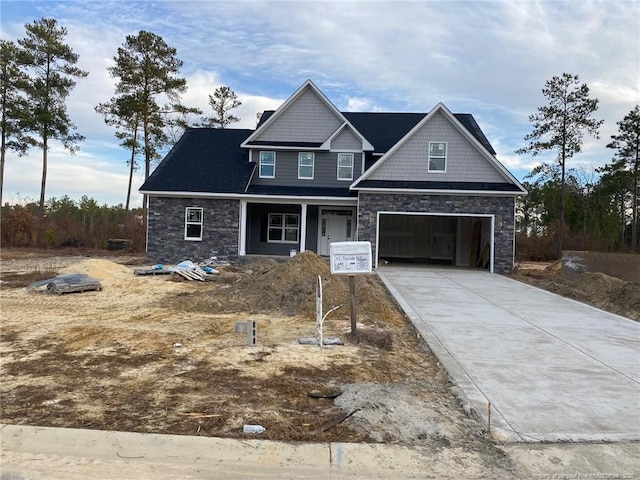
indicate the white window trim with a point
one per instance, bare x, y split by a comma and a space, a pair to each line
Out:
338, 167
187, 223
313, 165
283, 228
446, 150
260, 165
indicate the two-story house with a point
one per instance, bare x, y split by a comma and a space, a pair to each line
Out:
424, 187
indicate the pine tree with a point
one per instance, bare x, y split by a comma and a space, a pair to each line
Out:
13, 106
50, 63
627, 157
222, 102
146, 69
561, 125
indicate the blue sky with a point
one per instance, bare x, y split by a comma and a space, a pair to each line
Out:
488, 58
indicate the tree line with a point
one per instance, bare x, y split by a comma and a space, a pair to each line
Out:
574, 209
70, 223
38, 72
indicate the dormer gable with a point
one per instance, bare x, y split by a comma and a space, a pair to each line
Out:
346, 139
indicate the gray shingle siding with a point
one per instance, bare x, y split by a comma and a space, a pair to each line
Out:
502, 207
464, 161
308, 119
166, 242
346, 140
325, 170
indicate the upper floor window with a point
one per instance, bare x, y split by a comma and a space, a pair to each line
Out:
305, 165
267, 164
193, 223
438, 157
345, 166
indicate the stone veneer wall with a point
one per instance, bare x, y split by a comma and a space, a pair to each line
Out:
166, 243
502, 207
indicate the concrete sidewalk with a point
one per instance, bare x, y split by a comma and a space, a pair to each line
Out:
553, 369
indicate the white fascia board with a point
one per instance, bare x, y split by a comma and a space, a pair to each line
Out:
351, 201
253, 197
279, 147
463, 193
253, 172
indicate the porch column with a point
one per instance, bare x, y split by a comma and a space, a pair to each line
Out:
242, 244
303, 227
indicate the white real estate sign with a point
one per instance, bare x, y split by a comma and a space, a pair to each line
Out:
350, 258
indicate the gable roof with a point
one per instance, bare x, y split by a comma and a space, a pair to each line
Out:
204, 160
466, 129
266, 121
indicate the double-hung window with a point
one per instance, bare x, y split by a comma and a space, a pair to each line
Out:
267, 164
283, 227
193, 223
345, 166
438, 157
305, 165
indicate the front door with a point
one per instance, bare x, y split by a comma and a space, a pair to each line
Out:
335, 226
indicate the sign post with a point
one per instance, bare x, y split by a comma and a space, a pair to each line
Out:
351, 258
319, 317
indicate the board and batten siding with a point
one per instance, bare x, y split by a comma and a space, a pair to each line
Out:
308, 119
410, 162
325, 170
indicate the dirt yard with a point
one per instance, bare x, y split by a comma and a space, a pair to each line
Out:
160, 354
597, 289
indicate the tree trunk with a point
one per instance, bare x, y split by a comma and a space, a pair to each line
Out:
147, 167
131, 169
623, 222
43, 183
634, 223
3, 149
560, 243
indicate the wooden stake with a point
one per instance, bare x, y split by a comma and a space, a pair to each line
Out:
489, 414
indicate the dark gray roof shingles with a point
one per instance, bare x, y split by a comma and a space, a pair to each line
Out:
209, 160
204, 160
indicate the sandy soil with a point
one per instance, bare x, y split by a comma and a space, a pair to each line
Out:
597, 289
160, 354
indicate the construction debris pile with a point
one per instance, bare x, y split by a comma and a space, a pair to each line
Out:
188, 270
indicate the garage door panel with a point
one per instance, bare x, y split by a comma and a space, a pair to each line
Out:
435, 237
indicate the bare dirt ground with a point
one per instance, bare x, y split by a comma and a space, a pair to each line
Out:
597, 289
160, 354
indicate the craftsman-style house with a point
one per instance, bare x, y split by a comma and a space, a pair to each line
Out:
423, 187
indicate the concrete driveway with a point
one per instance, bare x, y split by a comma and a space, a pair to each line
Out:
552, 369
